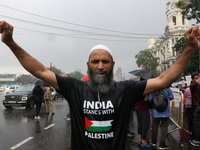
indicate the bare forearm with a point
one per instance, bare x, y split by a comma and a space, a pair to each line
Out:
28, 62
170, 75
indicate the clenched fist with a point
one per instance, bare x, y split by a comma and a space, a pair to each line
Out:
6, 30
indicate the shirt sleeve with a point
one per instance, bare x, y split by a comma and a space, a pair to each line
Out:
171, 96
141, 85
68, 86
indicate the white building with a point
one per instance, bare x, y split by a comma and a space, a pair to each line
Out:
175, 29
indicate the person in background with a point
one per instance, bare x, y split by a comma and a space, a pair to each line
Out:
143, 119
68, 116
48, 99
195, 91
38, 97
188, 108
162, 119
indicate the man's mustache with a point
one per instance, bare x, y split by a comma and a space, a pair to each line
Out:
101, 72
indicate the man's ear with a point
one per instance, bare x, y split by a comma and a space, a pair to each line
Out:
113, 63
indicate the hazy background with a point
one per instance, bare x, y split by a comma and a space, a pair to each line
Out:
64, 31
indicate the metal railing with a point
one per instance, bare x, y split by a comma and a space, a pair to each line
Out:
177, 110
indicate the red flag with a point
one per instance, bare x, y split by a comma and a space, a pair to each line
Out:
50, 66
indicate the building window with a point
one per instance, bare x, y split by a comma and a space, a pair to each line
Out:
154, 53
174, 20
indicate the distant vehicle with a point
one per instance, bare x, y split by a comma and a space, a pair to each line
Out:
21, 97
3, 88
11, 89
56, 95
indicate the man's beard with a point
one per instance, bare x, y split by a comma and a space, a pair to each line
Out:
100, 84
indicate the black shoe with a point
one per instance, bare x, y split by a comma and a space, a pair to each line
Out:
47, 113
154, 144
130, 135
53, 113
163, 147
194, 143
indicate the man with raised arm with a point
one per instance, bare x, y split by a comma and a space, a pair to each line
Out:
100, 108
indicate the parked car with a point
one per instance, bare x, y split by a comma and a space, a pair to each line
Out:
3, 88
11, 89
21, 97
56, 95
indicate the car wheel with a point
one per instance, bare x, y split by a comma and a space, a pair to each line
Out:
7, 107
30, 104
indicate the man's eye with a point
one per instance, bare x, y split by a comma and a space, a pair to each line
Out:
95, 61
105, 61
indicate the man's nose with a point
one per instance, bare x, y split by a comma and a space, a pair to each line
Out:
100, 66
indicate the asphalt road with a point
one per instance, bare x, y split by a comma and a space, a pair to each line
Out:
20, 131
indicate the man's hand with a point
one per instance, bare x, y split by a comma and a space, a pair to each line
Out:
193, 36
6, 30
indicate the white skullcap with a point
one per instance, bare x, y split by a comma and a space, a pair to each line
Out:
101, 47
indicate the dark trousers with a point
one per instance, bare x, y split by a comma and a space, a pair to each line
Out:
193, 123
189, 118
196, 120
38, 104
143, 119
163, 128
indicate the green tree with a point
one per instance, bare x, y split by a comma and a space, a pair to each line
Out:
76, 74
56, 70
146, 59
190, 9
193, 65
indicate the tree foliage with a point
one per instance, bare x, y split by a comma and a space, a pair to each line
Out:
193, 65
146, 59
76, 74
190, 9
56, 70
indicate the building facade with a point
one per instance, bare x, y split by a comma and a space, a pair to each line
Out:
119, 76
175, 29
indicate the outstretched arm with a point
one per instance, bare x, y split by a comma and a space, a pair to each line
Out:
28, 62
169, 76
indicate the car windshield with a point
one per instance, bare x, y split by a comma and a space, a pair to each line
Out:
27, 88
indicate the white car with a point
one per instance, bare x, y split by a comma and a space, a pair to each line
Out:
11, 89
3, 88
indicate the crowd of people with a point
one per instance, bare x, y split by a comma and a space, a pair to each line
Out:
43, 94
143, 108
192, 109
98, 107
191, 95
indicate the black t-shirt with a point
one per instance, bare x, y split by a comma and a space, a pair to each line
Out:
38, 93
99, 123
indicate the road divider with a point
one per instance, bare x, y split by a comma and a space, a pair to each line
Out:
21, 143
49, 126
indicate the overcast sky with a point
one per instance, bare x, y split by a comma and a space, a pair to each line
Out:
64, 31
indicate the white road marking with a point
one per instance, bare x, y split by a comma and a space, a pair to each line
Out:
21, 143
49, 126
